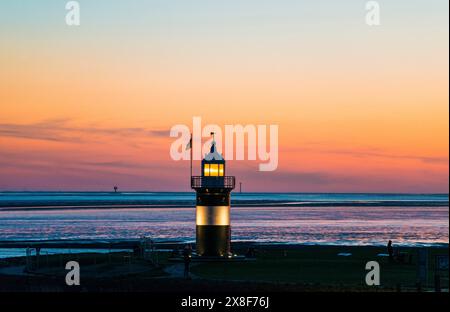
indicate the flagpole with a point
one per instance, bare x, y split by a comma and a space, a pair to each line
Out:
191, 156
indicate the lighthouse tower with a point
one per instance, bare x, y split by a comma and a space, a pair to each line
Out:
213, 187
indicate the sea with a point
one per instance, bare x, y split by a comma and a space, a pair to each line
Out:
270, 218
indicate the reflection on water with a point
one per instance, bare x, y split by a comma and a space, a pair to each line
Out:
307, 225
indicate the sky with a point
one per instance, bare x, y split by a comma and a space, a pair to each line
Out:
359, 108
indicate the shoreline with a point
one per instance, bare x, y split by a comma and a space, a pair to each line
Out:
104, 246
46, 200
265, 204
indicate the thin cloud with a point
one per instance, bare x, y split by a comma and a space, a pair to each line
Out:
50, 130
125, 165
377, 153
160, 133
426, 159
306, 177
61, 131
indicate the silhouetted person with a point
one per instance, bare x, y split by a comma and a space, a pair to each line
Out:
115, 189
187, 260
390, 250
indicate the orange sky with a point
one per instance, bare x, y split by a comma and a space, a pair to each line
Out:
359, 109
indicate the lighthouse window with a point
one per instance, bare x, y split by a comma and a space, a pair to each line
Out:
214, 170
206, 170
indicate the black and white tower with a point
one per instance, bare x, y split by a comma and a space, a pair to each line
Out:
213, 187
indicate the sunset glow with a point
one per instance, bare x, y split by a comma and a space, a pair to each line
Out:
359, 108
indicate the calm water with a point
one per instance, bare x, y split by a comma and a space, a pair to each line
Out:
20, 199
415, 220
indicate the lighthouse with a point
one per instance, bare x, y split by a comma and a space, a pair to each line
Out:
213, 188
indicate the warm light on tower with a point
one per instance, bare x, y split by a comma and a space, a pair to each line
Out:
213, 189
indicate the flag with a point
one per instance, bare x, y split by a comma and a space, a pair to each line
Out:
189, 145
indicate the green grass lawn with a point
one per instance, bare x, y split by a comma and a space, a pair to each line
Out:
320, 265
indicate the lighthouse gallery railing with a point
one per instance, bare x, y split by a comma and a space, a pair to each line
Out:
228, 182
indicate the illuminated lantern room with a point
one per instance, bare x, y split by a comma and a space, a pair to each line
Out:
213, 165
213, 172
